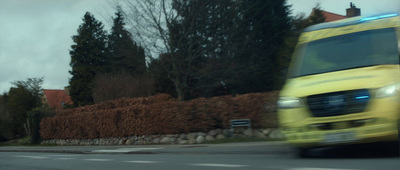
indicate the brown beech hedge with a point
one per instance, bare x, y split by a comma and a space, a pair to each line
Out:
159, 114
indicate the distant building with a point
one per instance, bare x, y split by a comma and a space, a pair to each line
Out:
350, 12
353, 11
56, 99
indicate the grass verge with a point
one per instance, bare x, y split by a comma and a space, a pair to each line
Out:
22, 142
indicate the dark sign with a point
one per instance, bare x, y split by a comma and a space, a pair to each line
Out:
241, 122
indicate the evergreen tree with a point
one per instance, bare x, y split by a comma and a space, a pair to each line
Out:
219, 23
298, 24
264, 26
19, 103
316, 17
89, 56
216, 47
5, 119
23, 97
226, 46
127, 74
162, 84
185, 45
126, 55
34, 86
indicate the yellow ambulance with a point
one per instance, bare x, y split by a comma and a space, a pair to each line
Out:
343, 85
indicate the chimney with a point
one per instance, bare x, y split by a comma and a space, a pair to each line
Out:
352, 11
66, 90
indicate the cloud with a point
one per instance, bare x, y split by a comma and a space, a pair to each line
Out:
35, 35
35, 38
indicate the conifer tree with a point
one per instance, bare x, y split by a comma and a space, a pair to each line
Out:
126, 55
89, 57
21, 98
317, 16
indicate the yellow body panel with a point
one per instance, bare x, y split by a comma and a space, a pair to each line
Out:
378, 122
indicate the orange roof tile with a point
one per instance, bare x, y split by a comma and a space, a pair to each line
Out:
329, 16
332, 16
56, 98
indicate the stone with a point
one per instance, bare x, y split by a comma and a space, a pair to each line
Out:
221, 136
171, 136
212, 133
129, 142
112, 141
189, 138
183, 136
275, 134
266, 131
201, 134
248, 133
192, 136
209, 138
192, 141
259, 134
165, 140
178, 140
226, 132
200, 139
121, 142
147, 139
239, 130
156, 140
172, 140
182, 142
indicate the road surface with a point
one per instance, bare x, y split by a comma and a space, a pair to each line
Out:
258, 155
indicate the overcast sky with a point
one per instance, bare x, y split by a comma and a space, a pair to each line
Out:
35, 35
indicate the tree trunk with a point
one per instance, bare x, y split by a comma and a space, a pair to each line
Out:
179, 89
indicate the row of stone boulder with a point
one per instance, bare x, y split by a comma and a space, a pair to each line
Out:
189, 138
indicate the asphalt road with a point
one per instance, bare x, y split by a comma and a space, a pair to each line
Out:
258, 155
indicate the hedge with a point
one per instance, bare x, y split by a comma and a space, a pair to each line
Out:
159, 114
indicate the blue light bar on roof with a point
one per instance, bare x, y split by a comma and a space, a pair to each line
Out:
362, 97
378, 17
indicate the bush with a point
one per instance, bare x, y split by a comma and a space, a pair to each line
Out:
34, 118
5, 126
159, 114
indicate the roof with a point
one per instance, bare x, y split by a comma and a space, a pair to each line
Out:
351, 21
56, 98
329, 17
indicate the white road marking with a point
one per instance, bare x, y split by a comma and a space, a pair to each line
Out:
33, 157
143, 162
61, 155
312, 168
219, 165
64, 158
124, 150
99, 160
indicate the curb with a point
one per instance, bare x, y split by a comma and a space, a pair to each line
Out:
135, 149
